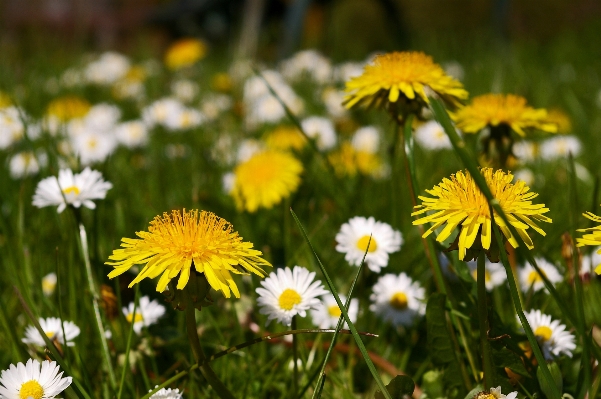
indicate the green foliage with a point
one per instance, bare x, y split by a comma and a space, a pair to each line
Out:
399, 387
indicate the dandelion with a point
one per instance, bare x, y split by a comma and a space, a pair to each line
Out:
265, 180
67, 108
402, 77
49, 284
287, 293
354, 237
459, 202
185, 53
495, 393
552, 336
53, 328
285, 138
398, 299
327, 313
179, 243
147, 313
347, 161
166, 393
530, 278
33, 380
561, 119
71, 189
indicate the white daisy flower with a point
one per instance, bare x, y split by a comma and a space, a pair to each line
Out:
287, 293
525, 175
591, 262
228, 181
49, 284
214, 104
33, 381
185, 90
166, 393
530, 278
132, 134
307, 62
102, 117
525, 151
157, 112
92, 146
553, 337
332, 99
107, 69
494, 275
71, 189
398, 299
25, 164
432, 136
11, 126
559, 147
53, 328
496, 394
354, 236
186, 118
322, 130
326, 314
366, 139
147, 313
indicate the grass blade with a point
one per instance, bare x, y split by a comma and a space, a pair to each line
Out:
129, 339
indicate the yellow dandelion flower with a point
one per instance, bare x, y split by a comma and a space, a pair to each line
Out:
265, 179
561, 119
509, 110
459, 202
177, 244
402, 75
222, 82
593, 237
185, 53
68, 107
285, 138
347, 161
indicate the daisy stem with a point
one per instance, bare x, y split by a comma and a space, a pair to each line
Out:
199, 355
295, 358
129, 338
487, 366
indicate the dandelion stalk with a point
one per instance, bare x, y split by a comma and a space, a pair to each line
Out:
487, 366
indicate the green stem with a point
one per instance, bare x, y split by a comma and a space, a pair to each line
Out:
295, 359
199, 355
487, 366
129, 339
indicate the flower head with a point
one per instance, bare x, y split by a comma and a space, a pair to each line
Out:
179, 243
71, 189
53, 328
402, 75
33, 381
147, 313
185, 53
530, 278
495, 393
593, 237
287, 293
49, 283
327, 313
348, 161
431, 136
68, 107
354, 237
552, 336
166, 393
459, 202
398, 299
265, 179
285, 138
560, 147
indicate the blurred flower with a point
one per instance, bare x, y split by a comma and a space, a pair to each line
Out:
454, 69
367, 139
332, 99
495, 393
287, 293
322, 130
327, 313
354, 237
459, 201
228, 181
68, 107
285, 138
265, 179
71, 189
550, 334
529, 277
221, 82
33, 380
93, 146
25, 164
247, 148
4, 100
49, 284
53, 328
590, 262
494, 274
593, 237
166, 393
347, 162
11, 126
432, 136
184, 89
525, 175
132, 134
157, 112
132, 84
307, 63
214, 104
525, 151
186, 118
107, 69
147, 313
559, 147
398, 299
348, 70
189, 242
184, 53
561, 119
506, 110
404, 76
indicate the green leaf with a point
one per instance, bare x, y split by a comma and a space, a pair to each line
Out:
507, 358
471, 394
555, 373
400, 386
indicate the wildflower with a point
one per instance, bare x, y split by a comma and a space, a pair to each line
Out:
366, 139
33, 380
67, 108
459, 201
310, 63
265, 179
71, 189
49, 284
221, 82
93, 146
157, 112
559, 147
347, 161
327, 313
354, 236
432, 136
214, 104
590, 262
25, 164
177, 244
287, 293
184, 89
525, 151
552, 336
398, 299
132, 134
12, 128
285, 138
322, 130
529, 277
53, 328
247, 148
494, 274
332, 98
147, 313
107, 69
495, 393
166, 393
401, 78
185, 53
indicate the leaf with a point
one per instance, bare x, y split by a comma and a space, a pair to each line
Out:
507, 358
400, 386
555, 373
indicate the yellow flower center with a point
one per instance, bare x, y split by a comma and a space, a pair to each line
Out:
399, 301
289, 298
71, 190
31, 389
334, 311
544, 333
364, 242
136, 320
50, 334
534, 277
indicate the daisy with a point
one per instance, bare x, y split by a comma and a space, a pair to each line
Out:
525, 151
33, 381
495, 393
12, 128
287, 293
214, 104
107, 69
552, 336
102, 117
25, 164
494, 275
354, 236
322, 130
366, 139
327, 313
157, 112
185, 89
71, 189
525, 175
530, 278
432, 136
132, 134
93, 146
166, 393
398, 299
49, 284
53, 328
307, 62
147, 313
559, 147
332, 98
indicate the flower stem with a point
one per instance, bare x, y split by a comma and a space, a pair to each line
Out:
483, 322
294, 358
199, 355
